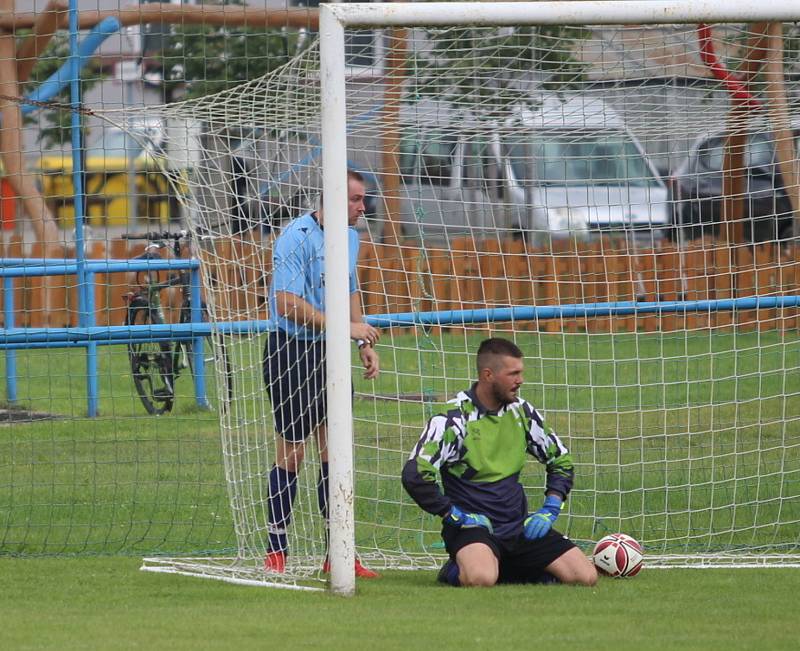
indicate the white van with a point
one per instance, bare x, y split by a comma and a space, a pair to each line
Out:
567, 166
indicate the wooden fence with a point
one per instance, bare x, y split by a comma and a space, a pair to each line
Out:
469, 275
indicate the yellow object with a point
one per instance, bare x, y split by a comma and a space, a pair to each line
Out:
109, 184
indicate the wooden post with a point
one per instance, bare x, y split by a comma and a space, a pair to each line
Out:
518, 271
789, 284
117, 286
645, 285
767, 279
44, 28
543, 278
568, 274
466, 272
442, 282
398, 290
778, 111
11, 150
620, 283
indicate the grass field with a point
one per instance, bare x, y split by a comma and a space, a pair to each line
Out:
105, 603
690, 442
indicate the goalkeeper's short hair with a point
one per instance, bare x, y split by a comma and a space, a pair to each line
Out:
495, 347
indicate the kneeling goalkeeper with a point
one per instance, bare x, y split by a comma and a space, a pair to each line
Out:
478, 448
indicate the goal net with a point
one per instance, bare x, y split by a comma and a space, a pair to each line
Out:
621, 202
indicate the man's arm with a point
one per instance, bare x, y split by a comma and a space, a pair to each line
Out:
422, 469
546, 446
298, 310
366, 351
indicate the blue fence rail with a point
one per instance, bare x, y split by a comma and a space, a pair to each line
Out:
89, 335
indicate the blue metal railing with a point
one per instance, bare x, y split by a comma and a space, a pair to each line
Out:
87, 334
90, 336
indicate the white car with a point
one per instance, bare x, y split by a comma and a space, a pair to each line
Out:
562, 166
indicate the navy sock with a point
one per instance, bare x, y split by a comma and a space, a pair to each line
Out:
449, 573
322, 490
282, 489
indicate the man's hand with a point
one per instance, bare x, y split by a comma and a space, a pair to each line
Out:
456, 517
537, 524
364, 332
369, 358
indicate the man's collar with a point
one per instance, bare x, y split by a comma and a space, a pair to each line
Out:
472, 393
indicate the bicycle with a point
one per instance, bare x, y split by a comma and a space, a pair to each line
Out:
157, 365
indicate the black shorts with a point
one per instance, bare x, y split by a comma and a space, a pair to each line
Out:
521, 560
294, 374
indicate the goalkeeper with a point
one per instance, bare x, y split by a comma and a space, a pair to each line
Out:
478, 449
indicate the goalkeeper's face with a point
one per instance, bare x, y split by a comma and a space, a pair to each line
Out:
505, 379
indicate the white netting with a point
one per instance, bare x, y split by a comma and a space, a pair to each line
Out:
528, 167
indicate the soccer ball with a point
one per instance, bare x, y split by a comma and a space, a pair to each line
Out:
618, 555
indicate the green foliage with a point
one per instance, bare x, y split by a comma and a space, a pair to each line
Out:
212, 59
55, 124
529, 56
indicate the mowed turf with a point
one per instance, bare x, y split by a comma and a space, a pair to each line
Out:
691, 442
106, 603
688, 441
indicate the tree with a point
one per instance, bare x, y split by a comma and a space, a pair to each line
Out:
528, 56
55, 123
205, 60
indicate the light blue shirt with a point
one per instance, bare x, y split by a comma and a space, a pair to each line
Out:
298, 267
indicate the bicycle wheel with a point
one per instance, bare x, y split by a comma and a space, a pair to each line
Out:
151, 362
183, 357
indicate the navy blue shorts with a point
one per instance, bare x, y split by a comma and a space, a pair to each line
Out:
294, 374
521, 560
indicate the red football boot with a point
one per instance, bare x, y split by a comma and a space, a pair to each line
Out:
361, 571
275, 562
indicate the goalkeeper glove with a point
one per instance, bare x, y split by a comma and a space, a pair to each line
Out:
456, 517
537, 524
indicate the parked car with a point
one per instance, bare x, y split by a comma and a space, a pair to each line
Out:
567, 165
696, 190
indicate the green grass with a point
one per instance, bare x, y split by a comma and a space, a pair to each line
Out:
689, 441
105, 603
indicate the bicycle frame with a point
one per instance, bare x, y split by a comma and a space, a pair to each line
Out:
155, 371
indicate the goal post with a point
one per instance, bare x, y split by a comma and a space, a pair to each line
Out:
337, 301
513, 154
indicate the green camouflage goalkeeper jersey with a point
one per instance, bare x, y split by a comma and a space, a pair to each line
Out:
478, 454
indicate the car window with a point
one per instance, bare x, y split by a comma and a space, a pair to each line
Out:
710, 154
427, 156
579, 158
759, 152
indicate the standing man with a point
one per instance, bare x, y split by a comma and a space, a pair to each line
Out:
478, 449
294, 360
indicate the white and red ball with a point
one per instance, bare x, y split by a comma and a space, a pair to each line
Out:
618, 555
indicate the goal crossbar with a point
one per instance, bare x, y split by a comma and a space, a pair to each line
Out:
498, 14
